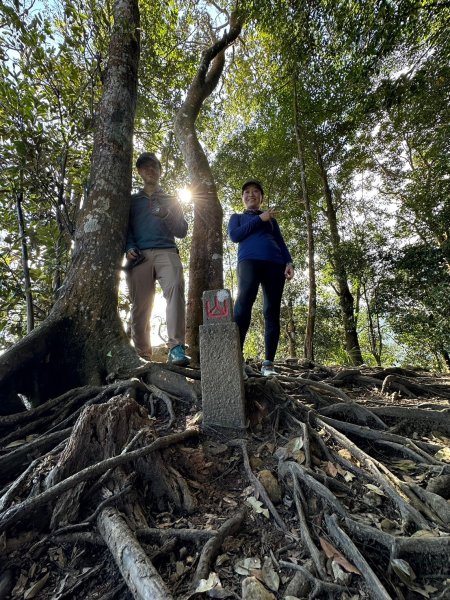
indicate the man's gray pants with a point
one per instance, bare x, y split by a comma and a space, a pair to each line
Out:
164, 266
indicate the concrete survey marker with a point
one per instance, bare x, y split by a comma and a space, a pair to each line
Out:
217, 307
223, 394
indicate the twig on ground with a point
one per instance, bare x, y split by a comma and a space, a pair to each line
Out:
81, 580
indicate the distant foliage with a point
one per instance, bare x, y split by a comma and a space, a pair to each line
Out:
374, 97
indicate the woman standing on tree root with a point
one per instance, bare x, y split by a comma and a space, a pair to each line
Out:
263, 259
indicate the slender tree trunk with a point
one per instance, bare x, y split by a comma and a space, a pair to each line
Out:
83, 338
206, 259
308, 345
25, 263
357, 301
374, 334
443, 240
291, 330
57, 268
346, 301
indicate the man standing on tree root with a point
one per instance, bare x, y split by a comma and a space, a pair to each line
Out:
152, 255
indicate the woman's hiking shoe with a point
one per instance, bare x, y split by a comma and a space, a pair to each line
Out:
177, 356
267, 369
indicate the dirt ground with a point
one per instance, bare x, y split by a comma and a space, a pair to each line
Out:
329, 501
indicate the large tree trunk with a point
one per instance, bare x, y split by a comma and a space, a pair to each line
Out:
308, 344
83, 338
206, 259
346, 301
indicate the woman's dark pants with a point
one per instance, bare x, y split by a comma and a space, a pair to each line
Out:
270, 275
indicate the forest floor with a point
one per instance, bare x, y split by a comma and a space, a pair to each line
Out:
339, 488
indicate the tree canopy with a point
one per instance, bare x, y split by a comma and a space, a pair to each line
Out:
372, 88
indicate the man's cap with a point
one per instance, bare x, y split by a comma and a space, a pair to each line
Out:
254, 182
146, 157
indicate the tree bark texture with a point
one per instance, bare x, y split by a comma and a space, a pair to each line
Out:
308, 345
143, 580
89, 340
101, 228
346, 301
206, 258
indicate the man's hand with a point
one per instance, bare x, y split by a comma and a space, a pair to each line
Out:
268, 214
132, 254
289, 271
134, 258
159, 210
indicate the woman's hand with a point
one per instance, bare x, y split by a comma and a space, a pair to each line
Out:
268, 214
289, 271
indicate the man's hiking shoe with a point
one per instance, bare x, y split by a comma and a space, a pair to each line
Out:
177, 356
267, 369
146, 356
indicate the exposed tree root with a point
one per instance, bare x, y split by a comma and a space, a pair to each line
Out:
196, 536
354, 414
28, 506
320, 588
429, 554
316, 556
388, 482
412, 388
439, 420
376, 589
213, 545
366, 433
136, 568
259, 488
15, 460
357, 498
